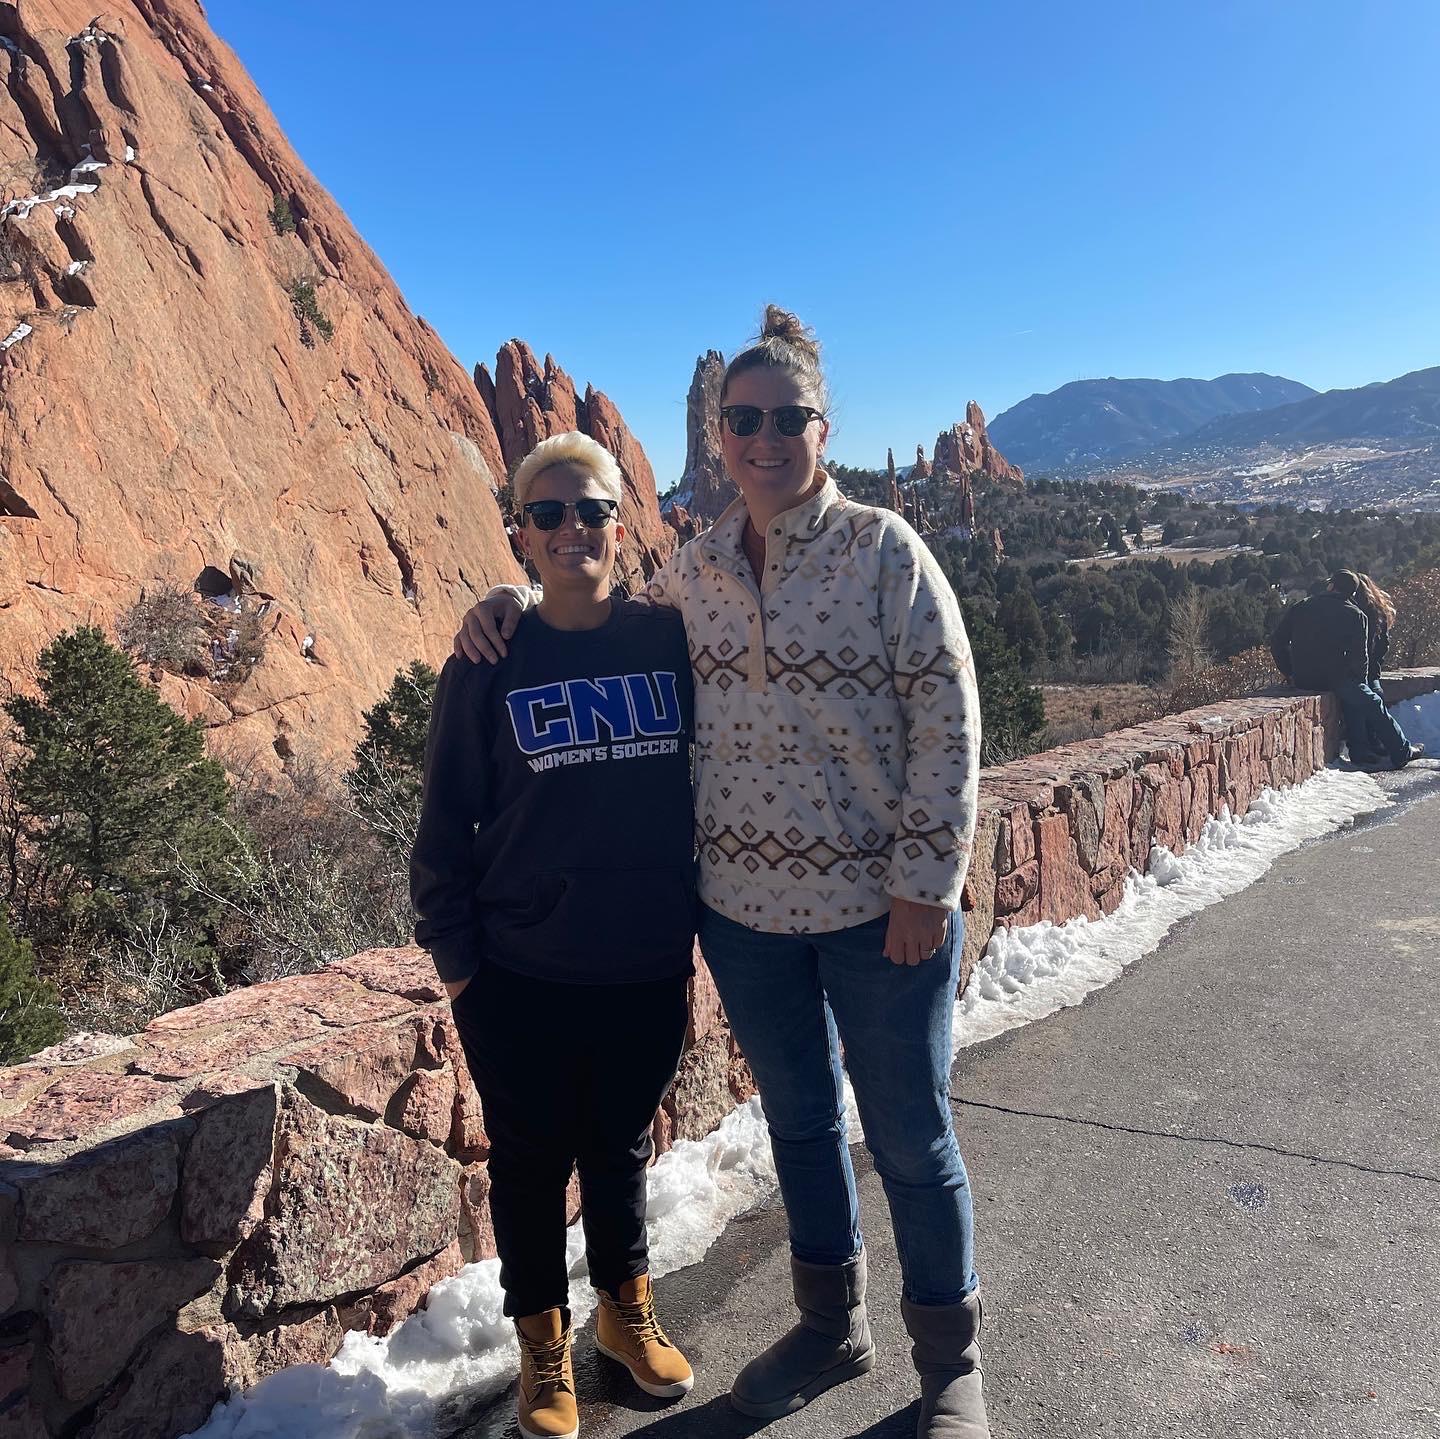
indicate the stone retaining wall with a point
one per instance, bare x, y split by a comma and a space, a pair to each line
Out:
229, 1191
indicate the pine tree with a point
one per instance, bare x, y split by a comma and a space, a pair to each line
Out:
1019, 616
389, 768
115, 786
29, 1016
1012, 711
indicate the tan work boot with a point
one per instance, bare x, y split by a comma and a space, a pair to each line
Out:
627, 1330
546, 1402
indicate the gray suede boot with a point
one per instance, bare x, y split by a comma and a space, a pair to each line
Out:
947, 1359
831, 1343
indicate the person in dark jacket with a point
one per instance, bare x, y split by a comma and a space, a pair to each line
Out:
553, 879
1379, 611
1323, 643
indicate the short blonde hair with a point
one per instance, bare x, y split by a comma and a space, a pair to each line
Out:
571, 448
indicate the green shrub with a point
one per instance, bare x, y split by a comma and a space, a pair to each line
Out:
110, 787
313, 320
30, 1018
389, 767
281, 216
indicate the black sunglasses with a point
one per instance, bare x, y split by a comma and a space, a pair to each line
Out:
550, 514
790, 420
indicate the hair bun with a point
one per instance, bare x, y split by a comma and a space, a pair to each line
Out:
783, 325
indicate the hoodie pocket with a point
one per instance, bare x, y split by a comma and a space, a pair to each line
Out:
606, 918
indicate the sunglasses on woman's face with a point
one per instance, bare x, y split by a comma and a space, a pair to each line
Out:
790, 420
550, 514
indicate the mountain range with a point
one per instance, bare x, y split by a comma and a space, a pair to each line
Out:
1090, 420
1278, 441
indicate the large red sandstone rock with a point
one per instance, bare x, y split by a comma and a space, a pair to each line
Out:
19, 1418
477, 1230
98, 1313
84, 1103
965, 449
425, 1105
166, 408
700, 1097
173, 1384
381, 1311
257, 1020
351, 1206
104, 1197
228, 1170
978, 896
408, 972
359, 1069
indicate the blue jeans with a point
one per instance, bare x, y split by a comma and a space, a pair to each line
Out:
1369, 725
792, 1000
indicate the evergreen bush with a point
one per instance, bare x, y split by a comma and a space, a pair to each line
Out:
281, 216
389, 768
111, 785
30, 1017
313, 320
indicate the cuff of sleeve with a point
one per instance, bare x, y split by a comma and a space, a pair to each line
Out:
941, 886
454, 960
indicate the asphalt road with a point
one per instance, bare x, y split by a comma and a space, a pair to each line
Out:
1207, 1199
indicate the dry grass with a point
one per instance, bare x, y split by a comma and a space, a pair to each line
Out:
1244, 674
1415, 639
1075, 712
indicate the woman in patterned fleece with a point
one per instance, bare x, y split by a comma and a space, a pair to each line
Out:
837, 733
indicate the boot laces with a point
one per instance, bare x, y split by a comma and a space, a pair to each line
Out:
640, 1320
547, 1360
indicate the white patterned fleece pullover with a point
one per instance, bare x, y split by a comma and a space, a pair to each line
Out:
837, 724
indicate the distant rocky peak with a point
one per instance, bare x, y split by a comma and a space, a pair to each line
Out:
965, 449
704, 489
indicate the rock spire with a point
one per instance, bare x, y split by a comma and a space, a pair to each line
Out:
704, 489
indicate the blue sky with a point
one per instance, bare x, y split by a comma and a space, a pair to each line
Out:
977, 200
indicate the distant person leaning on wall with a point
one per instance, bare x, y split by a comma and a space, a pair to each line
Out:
554, 885
1323, 643
1379, 611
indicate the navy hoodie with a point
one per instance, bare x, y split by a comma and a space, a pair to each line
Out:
557, 826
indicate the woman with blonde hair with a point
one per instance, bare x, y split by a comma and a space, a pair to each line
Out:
837, 736
556, 814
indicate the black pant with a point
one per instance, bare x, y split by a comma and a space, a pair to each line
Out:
570, 1076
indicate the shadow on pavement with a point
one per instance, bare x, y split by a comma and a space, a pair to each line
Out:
713, 1418
899, 1425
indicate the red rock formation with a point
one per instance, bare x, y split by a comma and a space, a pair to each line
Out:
203, 365
704, 489
893, 481
680, 520
922, 465
965, 449
529, 402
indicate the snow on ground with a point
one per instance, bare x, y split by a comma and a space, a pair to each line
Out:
1026, 974
1420, 719
460, 1344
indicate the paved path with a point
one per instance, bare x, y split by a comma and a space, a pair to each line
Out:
1208, 1199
